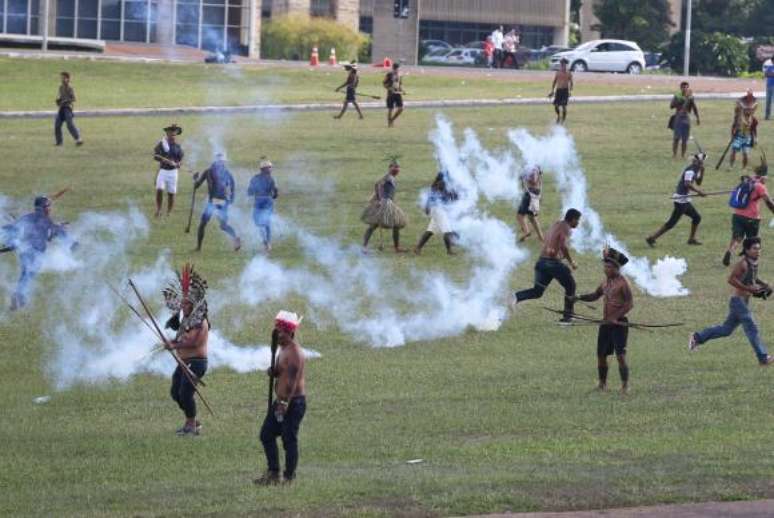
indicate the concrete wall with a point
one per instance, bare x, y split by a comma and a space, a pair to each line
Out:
283, 7
396, 38
347, 12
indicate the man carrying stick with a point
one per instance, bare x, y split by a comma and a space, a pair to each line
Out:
688, 182
550, 266
186, 298
351, 85
284, 416
613, 331
745, 283
393, 83
168, 154
220, 190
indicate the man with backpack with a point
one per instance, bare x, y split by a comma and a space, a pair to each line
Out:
745, 200
690, 178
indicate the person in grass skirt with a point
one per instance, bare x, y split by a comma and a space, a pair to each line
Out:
382, 211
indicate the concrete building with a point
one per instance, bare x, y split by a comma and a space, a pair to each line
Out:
236, 24
588, 20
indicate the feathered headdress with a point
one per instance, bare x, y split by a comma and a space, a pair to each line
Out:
392, 159
287, 321
191, 287
611, 255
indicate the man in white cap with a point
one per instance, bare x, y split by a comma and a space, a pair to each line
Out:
263, 189
168, 154
287, 411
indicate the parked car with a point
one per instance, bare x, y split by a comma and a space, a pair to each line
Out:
653, 60
546, 52
522, 58
463, 57
435, 57
603, 56
428, 46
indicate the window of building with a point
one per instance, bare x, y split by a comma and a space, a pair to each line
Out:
321, 8
366, 24
464, 33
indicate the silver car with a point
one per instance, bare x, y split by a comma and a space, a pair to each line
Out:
603, 56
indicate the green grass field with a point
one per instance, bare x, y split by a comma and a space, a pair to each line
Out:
125, 85
505, 421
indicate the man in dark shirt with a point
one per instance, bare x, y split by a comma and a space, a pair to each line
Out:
168, 154
351, 85
65, 102
264, 191
550, 266
683, 103
613, 331
220, 192
29, 236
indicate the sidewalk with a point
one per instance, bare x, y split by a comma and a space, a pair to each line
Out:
744, 509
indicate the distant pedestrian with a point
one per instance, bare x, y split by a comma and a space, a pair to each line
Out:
393, 83
168, 154
560, 91
768, 72
683, 104
65, 102
509, 49
351, 85
497, 41
489, 52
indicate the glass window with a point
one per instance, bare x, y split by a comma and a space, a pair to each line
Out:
235, 16
367, 24
214, 16
17, 7
64, 8
34, 26
111, 9
16, 24
111, 30
88, 8
187, 14
187, 35
65, 27
135, 12
87, 28
212, 37
134, 31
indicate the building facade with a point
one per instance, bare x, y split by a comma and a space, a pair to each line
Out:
236, 24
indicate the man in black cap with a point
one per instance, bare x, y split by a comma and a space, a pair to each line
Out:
168, 154
613, 331
745, 283
220, 190
351, 85
393, 83
29, 236
689, 180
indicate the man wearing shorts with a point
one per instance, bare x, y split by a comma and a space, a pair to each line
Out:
745, 222
560, 91
680, 123
393, 83
168, 154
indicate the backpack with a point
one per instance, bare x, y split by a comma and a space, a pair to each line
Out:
740, 196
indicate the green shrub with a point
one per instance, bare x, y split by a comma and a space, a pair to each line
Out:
292, 37
542, 64
711, 54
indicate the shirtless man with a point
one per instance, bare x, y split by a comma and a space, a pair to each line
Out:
744, 282
532, 183
190, 343
550, 265
284, 418
351, 85
613, 332
393, 83
560, 90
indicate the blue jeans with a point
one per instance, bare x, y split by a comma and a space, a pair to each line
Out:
769, 97
30, 266
547, 270
738, 313
262, 219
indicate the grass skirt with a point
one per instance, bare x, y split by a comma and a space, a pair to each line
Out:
384, 214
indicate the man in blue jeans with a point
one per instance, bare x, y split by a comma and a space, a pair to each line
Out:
745, 282
768, 73
550, 266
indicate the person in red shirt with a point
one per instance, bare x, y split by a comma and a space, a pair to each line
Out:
489, 51
746, 222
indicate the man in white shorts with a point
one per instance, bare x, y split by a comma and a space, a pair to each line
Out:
441, 195
168, 154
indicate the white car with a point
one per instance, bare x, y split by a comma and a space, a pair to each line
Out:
436, 56
462, 57
603, 56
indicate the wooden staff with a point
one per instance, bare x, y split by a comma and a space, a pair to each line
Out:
723, 156
368, 95
274, 342
154, 331
59, 194
622, 324
193, 203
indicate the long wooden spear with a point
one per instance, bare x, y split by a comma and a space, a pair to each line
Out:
622, 324
168, 346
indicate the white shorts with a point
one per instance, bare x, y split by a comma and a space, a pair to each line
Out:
167, 180
439, 221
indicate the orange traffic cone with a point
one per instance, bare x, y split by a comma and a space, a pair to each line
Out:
314, 59
387, 63
332, 57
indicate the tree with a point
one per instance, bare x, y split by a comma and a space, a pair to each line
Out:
713, 54
646, 22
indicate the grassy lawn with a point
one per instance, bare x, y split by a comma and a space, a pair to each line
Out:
33, 85
505, 421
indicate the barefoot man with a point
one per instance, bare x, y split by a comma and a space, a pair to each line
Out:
560, 90
351, 85
168, 154
287, 411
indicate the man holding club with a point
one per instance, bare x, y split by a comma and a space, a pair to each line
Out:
613, 331
550, 266
393, 83
351, 85
221, 191
285, 414
169, 155
688, 182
